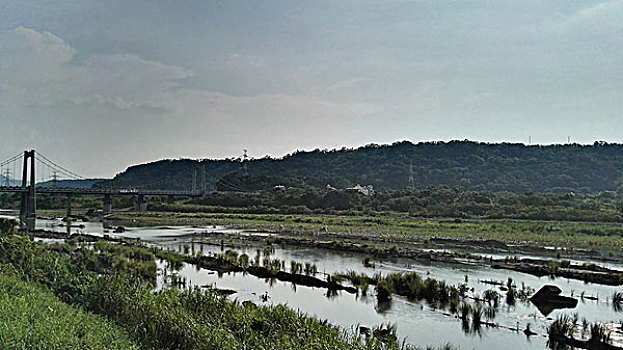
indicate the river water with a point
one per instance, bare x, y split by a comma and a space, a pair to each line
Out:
416, 322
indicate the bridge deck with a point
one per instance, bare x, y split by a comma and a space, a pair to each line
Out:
100, 191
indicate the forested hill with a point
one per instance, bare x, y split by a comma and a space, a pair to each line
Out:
471, 166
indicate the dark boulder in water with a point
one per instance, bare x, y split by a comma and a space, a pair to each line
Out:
548, 298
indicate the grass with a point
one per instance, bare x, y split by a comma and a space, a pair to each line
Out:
33, 318
169, 319
402, 227
196, 319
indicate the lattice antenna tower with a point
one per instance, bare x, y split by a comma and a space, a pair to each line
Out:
195, 171
54, 179
7, 177
245, 157
411, 185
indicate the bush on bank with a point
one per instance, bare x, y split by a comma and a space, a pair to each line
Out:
168, 319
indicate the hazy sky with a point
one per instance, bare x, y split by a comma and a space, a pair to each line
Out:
100, 85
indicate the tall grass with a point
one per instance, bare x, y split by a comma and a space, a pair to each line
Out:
32, 318
196, 319
170, 319
599, 333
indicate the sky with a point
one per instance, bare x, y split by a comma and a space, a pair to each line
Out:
97, 86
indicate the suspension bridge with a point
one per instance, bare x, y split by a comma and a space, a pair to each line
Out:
28, 186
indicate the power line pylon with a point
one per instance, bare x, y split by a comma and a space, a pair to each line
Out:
54, 179
245, 157
411, 184
7, 177
195, 170
204, 186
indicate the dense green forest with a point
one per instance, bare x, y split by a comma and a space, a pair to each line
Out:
431, 202
435, 201
467, 165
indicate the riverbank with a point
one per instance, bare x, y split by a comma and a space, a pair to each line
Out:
115, 281
596, 239
330, 257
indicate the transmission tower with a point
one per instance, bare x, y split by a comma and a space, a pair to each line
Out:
411, 184
54, 179
245, 171
203, 179
7, 177
195, 171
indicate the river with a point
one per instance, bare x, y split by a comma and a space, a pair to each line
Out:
416, 322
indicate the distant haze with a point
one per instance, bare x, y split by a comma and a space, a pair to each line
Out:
100, 85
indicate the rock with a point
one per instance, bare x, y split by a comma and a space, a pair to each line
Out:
548, 298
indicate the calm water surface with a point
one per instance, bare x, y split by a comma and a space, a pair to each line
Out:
417, 322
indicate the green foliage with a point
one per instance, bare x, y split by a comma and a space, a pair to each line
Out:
599, 333
429, 202
470, 166
31, 318
567, 234
561, 327
196, 319
7, 226
413, 286
384, 291
464, 310
491, 296
511, 296
168, 319
33, 262
477, 314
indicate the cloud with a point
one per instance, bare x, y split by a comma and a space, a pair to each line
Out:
39, 69
115, 102
597, 22
599, 11
46, 45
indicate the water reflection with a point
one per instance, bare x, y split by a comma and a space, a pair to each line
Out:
383, 307
332, 293
421, 325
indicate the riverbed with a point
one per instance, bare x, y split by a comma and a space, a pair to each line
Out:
417, 322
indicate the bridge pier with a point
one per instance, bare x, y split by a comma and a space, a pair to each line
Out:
68, 206
141, 204
107, 204
170, 199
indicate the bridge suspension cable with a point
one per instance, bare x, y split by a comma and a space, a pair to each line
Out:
60, 169
12, 159
167, 179
5, 170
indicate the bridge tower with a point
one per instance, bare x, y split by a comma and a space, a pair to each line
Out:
199, 169
27, 214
